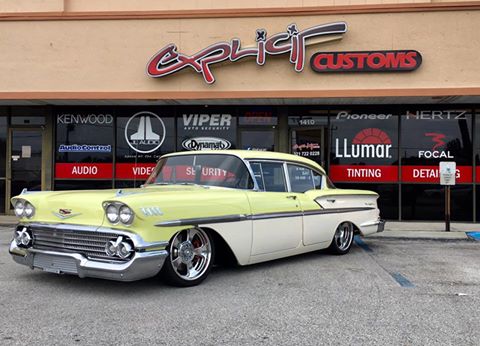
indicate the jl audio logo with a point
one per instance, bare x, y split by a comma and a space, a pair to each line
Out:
145, 132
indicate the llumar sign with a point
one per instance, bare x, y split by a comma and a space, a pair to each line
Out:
168, 60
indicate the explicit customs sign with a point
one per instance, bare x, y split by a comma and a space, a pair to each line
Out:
369, 61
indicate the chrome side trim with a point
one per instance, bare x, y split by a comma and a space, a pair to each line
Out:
263, 216
202, 220
336, 210
138, 242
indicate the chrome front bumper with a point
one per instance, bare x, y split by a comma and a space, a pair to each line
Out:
142, 265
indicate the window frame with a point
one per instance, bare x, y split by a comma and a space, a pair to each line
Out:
285, 172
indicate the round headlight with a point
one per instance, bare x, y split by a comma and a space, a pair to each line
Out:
112, 213
124, 250
126, 215
19, 208
29, 210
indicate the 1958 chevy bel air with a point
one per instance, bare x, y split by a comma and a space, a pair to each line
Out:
254, 206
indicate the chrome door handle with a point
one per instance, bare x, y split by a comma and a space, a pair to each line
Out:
292, 197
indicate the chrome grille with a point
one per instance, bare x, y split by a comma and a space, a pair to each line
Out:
89, 244
55, 263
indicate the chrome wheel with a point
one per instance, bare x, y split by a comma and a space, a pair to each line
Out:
191, 254
343, 238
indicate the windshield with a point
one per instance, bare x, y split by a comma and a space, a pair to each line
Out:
206, 169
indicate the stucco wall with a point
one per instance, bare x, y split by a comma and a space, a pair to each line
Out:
111, 55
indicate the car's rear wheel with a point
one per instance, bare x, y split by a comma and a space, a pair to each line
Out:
190, 258
343, 239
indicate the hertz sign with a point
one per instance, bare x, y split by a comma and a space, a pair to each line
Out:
370, 61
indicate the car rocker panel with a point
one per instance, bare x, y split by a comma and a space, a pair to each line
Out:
169, 225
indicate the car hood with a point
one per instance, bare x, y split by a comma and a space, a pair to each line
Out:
85, 207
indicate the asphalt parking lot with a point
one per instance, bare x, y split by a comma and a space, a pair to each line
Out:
384, 292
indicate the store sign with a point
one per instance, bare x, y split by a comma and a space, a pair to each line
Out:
367, 61
368, 143
293, 42
83, 171
431, 174
436, 115
206, 143
145, 132
207, 122
306, 149
129, 171
89, 119
84, 148
437, 151
343, 115
364, 173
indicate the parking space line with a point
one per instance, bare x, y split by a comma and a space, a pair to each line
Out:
474, 235
402, 280
362, 244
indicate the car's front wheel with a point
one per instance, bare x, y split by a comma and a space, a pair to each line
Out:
343, 239
190, 258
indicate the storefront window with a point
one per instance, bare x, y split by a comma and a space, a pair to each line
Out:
427, 202
364, 146
84, 145
257, 140
211, 128
142, 136
431, 136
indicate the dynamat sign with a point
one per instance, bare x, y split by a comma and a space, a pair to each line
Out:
293, 42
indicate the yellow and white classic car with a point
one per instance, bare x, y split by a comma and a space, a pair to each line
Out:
195, 209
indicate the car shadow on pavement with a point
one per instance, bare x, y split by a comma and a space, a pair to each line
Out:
219, 273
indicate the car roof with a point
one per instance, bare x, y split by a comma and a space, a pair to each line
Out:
255, 154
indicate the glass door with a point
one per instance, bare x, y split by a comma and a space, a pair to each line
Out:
309, 143
25, 160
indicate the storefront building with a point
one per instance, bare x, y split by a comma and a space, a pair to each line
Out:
91, 97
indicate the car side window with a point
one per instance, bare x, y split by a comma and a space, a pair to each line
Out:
301, 178
317, 180
270, 176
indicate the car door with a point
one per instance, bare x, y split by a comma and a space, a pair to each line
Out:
306, 184
276, 213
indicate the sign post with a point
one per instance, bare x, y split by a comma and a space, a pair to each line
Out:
447, 179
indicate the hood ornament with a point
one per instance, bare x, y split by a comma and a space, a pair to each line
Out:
64, 213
